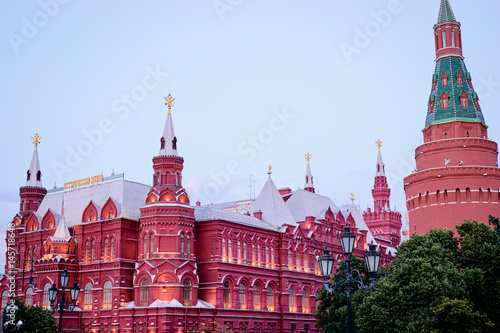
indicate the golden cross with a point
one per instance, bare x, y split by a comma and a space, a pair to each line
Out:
352, 198
169, 102
36, 140
308, 157
269, 171
379, 144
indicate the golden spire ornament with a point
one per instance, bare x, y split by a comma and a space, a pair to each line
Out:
36, 140
169, 101
352, 198
308, 157
269, 170
379, 144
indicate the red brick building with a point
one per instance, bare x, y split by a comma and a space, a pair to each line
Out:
146, 260
457, 175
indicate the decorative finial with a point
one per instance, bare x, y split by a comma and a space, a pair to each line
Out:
63, 213
352, 198
379, 144
308, 157
406, 215
169, 102
269, 171
36, 140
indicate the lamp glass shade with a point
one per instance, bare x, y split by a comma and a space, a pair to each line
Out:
31, 283
74, 291
53, 293
326, 264
372, 259
347, 241
64, 278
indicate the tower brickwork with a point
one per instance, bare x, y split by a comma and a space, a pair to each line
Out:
457, 175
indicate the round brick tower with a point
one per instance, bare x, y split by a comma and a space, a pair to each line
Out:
457, 175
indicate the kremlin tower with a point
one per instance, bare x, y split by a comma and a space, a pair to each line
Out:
383, 222
457, 175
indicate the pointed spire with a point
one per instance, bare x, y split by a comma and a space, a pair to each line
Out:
309, 186
62, 231
168, 142
380, 169
34, 175
445, 13
274, 209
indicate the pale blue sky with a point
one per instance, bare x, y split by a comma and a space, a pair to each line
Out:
239, 70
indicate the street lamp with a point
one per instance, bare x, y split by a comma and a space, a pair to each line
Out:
63, 303
372, 259
11, 311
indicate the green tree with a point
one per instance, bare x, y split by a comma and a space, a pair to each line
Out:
34, 318
438, 282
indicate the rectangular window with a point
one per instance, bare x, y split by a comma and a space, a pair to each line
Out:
444, 39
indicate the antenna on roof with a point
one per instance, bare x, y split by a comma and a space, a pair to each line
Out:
251, 183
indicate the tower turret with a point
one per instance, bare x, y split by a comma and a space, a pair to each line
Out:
457, 175
382, 221
309, 186
32, 193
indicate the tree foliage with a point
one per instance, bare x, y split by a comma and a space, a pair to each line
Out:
438, 282
34, 318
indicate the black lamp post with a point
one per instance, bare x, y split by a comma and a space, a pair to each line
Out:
63, 304
372, 259
12, 310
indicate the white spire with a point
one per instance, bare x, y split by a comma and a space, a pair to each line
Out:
309, 177
34, 175
62, 231
380, 169
168, 143
273, 207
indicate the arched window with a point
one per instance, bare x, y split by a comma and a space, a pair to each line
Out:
464, 100
444, 39
112, 251
244, 253
291, 300
144, 291
256, 297
223, 249
306, 261
182, 245
242, 296
152, 246
145, 246
186, 293
267, 256
93, 251
305, 301
45, 300
253, 255
226, 295
444, 100
272, 257
290, 260
87, 248
259, 261
188, 245
29, 297
270, 298
106, 249
106, 295
87, 298
5, 298
239, 252
229, 250
297, 260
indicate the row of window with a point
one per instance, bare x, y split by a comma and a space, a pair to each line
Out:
241, 254
90, 250
187, 293
258, 296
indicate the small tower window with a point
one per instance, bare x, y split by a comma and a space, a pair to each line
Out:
174, 143
28, 173
452, 38
463, 100
162, 143
459, 78
444, 101
38, 176
444, 39
444, 79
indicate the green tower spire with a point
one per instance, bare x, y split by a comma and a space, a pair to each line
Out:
445, 13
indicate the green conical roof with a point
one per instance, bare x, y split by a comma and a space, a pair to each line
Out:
458, 86
445, 13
